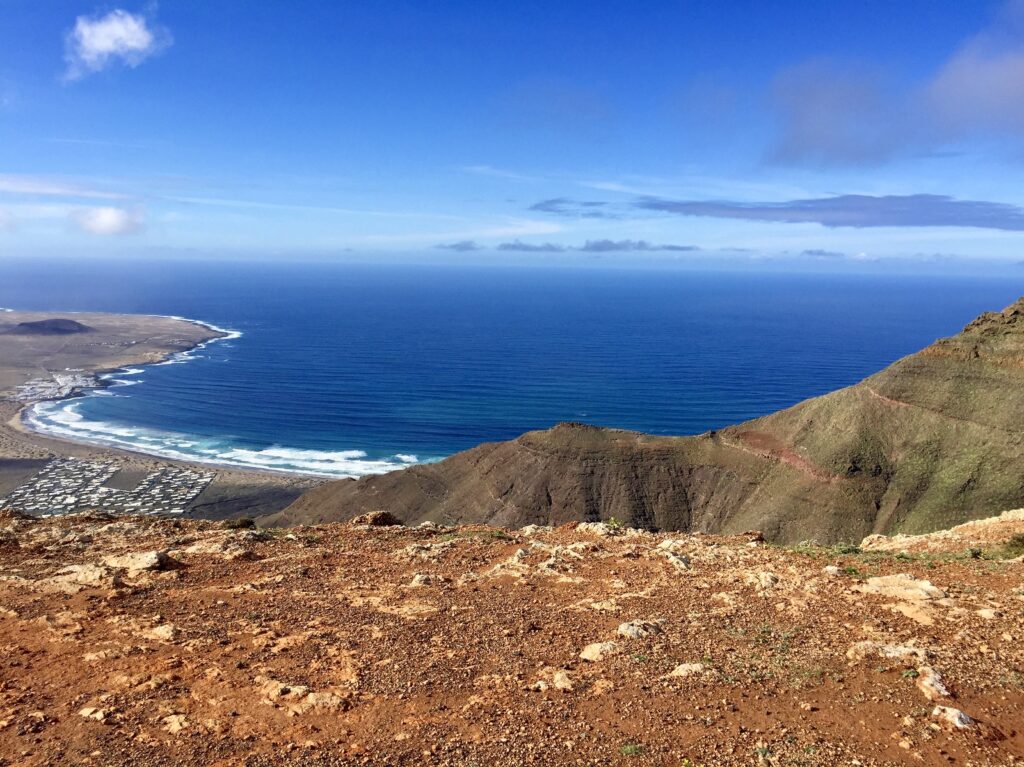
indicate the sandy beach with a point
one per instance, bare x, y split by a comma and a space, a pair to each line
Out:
29, 358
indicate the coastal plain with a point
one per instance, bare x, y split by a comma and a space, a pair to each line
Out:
42, 359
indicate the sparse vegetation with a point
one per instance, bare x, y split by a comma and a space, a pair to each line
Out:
495, 534
1011, 549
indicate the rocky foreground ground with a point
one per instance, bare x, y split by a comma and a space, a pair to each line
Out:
127, 641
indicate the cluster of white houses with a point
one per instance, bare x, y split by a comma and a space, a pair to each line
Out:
68, 485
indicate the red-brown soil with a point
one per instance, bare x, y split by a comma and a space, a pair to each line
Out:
370, 645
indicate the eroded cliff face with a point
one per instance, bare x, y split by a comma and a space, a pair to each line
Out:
933, 440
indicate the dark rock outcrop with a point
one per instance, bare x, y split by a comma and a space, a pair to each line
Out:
55, 327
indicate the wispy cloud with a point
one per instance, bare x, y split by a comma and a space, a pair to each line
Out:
97, 42
590, 246
529, 247
981, 87
299, 207
847, 210
563, 206
822, 253
513, 227
850, 113
42, 186
627, 246
462, 246
108, 220
834, 113
856, 210
7, 222
508, 175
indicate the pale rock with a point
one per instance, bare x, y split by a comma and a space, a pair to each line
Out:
902, 586
562, 681
640, 629
688, 669
139, 561
870, 648
166, 632
930, 683
680, 562
531, 530
175, 723
322, 701
598, 651
831, 571
602, 529
916, 611
74, 578
952, 718
762, 580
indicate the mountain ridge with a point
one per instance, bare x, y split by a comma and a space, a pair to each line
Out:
931, 441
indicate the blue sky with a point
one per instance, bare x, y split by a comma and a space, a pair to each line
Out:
844, 131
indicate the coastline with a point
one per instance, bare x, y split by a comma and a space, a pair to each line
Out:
44, 416
235, 489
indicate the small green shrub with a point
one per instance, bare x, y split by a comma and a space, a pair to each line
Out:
1014, 547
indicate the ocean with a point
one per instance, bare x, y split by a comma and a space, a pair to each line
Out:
345, 370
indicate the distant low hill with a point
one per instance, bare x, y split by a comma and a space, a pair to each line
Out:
54, 327
933, 440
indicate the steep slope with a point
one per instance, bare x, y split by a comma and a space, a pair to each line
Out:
931, 441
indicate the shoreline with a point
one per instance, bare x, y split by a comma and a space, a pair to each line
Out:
117, 344
102, 380
16, 422
32, 423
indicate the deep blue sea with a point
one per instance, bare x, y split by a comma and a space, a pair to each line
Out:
347, 369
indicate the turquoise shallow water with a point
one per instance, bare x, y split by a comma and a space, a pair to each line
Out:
348, 370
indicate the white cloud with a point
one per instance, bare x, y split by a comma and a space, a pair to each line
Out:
981, 87
488, 170
106, 220
97, 42
42, 186
835, 113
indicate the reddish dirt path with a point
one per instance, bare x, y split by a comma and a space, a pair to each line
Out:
939, 414
766, 446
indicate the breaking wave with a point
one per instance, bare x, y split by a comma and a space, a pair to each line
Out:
62, 419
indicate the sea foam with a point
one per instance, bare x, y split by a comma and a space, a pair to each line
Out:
62, 418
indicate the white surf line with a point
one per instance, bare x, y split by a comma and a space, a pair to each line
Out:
171, 445
32, 417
